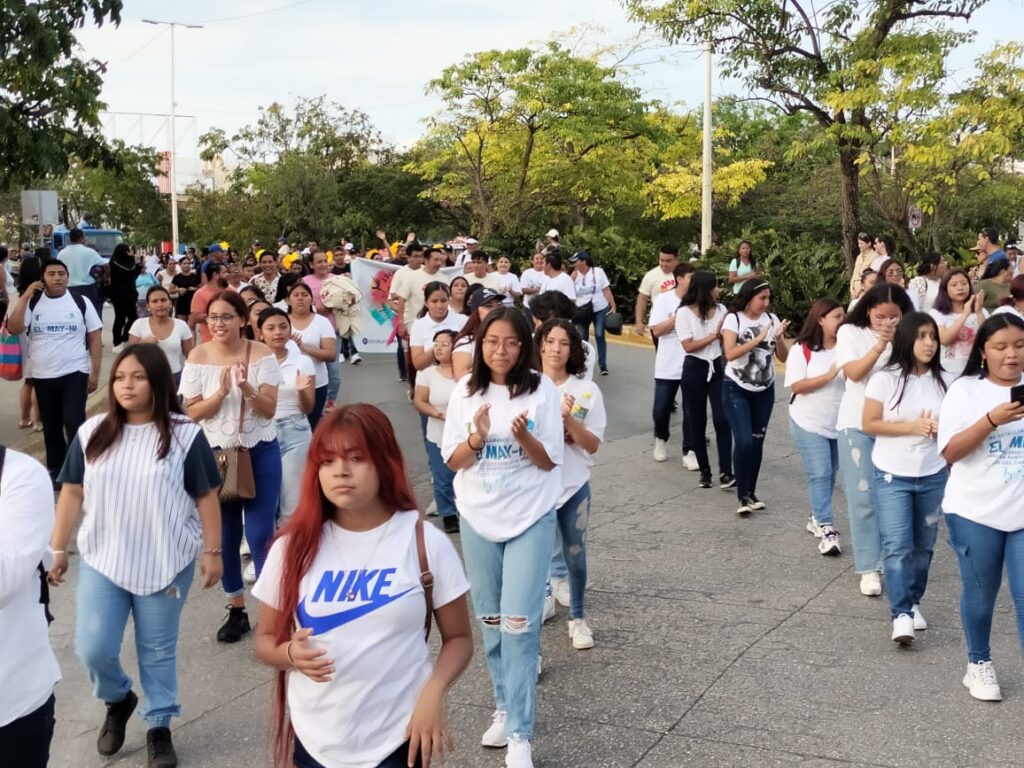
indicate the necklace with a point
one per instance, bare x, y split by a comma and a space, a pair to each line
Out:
351, 596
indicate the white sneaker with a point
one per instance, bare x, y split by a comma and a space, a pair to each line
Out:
519, 754
243, 550
919, 622
982, 683
432, 509
903, 629
117, 348
829, 544
813, 528
871, 584
660, 450
355, 359
249, 574
495, 735
549, 609
690, 461
580, 634
560, 591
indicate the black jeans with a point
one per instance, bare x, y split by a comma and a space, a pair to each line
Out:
125, 313
62, 409
397, 759
90, 293
348, 347
698, 389
664, 398
25, 742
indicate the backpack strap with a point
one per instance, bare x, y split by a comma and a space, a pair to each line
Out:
79, 302
426, 577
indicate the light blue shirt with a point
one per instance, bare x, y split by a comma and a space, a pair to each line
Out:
80, 259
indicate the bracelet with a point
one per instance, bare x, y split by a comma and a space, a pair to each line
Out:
253, 396
288, 652
994, 425
59, 552
212, 550
469, 442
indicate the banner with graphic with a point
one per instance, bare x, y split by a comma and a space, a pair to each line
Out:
378, 322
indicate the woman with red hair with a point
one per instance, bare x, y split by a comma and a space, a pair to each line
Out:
344, 608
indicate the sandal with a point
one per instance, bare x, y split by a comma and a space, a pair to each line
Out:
25, 424
37, 427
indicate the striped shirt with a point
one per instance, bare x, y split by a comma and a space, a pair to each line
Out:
140, 527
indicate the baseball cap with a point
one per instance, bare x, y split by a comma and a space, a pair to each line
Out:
472, 241
552, 233
482, 298
215, 248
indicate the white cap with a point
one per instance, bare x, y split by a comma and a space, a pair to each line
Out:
472, 241
552, 233
349, 247
284, 250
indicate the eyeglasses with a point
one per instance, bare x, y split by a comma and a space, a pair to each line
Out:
509, 345
219, 319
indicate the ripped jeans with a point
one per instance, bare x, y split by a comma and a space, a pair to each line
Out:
101, 616
507, 580
909, 509
858, 473
573, 517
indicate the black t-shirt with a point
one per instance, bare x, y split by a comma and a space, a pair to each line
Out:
183, 304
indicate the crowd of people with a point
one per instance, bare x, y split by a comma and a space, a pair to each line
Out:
223, 435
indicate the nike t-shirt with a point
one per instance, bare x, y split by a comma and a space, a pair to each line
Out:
363, 600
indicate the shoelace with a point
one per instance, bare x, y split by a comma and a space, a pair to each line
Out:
987, 673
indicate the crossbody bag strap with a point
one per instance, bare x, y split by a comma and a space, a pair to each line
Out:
426, 577
241, 407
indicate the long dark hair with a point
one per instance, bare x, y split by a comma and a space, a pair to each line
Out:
902, 359
747, 293
811, 334
928, 262
880, 293
285, 281
698, 294
522, 379
753, 258
429, 288
465, 298
995, 267
943, 304
165, 402
576, 365
999, 322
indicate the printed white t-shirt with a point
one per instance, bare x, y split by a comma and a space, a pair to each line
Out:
754, 371
363, 600
669, 356
588, 407
590, 287
954, 356
655, 282
287, 394
508, 282
853, 343
425, 328
690, 327
312, 335
562, 283
489, 280
58, 334
906, 455
531, 278
171, 346
503, 493
815, 411
985, 486
441, 388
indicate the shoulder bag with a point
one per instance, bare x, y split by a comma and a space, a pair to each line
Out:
235, 464
426, 577
584, 313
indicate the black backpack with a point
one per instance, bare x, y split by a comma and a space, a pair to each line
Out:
79, 302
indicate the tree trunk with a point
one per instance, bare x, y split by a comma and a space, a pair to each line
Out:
849, 178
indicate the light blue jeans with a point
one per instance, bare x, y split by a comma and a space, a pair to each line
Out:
444, 490
507, 581
294, 436
821, 461
909, 509
101, 615
573, 517
858, 475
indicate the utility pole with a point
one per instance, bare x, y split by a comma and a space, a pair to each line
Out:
172, 154
706, 164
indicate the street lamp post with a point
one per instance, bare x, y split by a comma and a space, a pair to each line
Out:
172, 154
706, 164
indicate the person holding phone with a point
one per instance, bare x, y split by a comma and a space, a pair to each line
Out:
981, 434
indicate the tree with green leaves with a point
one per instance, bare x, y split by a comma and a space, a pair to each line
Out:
49, 96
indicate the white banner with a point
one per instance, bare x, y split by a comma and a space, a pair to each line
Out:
378, 322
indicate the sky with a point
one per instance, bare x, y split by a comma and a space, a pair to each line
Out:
375, 56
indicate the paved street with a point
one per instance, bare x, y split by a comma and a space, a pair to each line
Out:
720, 641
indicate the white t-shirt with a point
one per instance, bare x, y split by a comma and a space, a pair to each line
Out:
815, 411
490, 280
590, 287
853, 343
409, 284
531, 278
655, 281
287, 394
754, 371
422, 332
1008, 309
503, 493
690, 327
987, 485
588, 408
363, 600
669, 356
909, 455
507, 283
58, 336
171, 345
560, 282
591, 360
312, 335
441, 388
954, 356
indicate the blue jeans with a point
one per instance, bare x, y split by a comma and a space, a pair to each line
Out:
573, 517
664, 396
981, 552
334, 377
748, 414
319, 401
602, 344
697, 391
397, 759
908, 520
820, 455
101, 615
507, 581
348, 347
444, 491
858, 474
293, 436
259, 513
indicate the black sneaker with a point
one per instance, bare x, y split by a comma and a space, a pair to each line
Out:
746, 506
111, 737
236, 625
726, 481
160, 748
451, 523
756, 503
604, 371
705, 480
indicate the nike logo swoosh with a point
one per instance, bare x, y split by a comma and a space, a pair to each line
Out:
322, 624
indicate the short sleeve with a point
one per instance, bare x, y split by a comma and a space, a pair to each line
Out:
956, 414
597, 418
548, 414
73, 471
201, 301
733, 266
201, 472
92, 320
416, 334
732, 323
450, 581
182, 330
454, 430
847, 348
602, 279
324, 327
141, 326
514, 282
191, 381
796, 366
425, 378
646, 286
684, 328
267, 588
304, 365
878, 388
266, 371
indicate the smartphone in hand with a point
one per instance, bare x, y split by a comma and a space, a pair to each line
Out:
1017, 394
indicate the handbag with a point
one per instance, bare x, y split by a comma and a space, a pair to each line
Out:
584, 313
10, 355
235, 464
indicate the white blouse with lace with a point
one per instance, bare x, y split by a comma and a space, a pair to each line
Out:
221, 429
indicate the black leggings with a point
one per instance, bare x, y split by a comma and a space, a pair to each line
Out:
397, 759
125, 314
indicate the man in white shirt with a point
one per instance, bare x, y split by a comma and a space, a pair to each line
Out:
466, 256
81, 260
478, 273
28, 669
64, 354
531, 282
656, 282
557, 280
